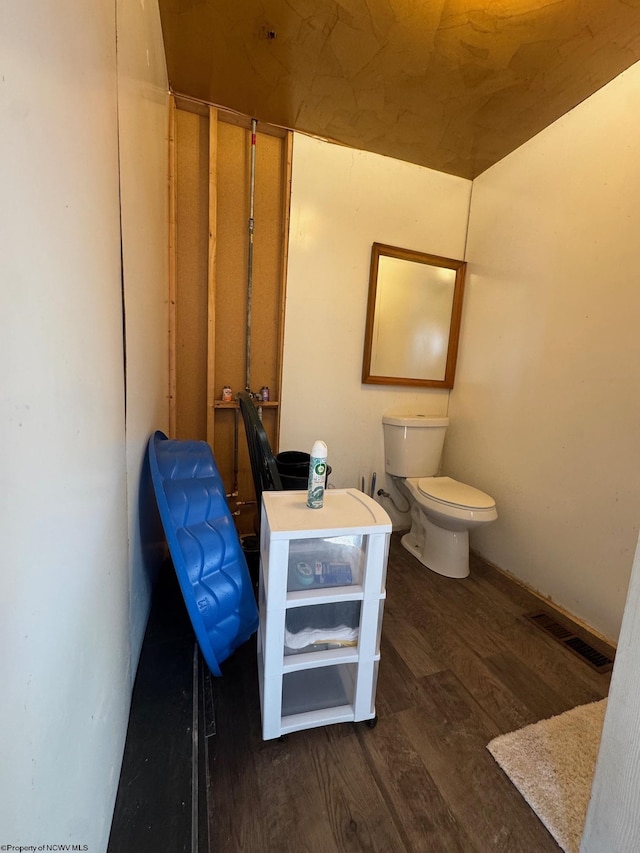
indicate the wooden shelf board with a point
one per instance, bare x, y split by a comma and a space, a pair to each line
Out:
221, 404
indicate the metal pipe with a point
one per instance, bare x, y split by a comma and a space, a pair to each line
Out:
235, 451
252, 192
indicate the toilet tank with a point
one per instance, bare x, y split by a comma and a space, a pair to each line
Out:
413, 444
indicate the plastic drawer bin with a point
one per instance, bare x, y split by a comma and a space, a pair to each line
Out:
319, 627
315, 563
321, 593
318, 689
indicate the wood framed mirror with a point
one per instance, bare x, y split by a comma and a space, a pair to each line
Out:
413, 318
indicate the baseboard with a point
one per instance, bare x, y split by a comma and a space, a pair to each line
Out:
609, 646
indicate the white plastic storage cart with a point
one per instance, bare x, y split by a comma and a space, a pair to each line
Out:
321, 598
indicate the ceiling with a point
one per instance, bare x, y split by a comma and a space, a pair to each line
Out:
454, 85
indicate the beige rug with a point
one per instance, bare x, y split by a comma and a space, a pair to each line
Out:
551, 763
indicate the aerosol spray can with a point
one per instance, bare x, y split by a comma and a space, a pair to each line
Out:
317, 475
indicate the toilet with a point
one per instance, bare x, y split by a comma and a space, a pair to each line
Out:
442, 509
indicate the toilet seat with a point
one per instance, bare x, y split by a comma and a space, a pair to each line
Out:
445, 490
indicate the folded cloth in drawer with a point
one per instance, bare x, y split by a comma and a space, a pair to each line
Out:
323, 616
340, 636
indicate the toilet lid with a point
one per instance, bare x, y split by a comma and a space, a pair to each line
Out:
453, 493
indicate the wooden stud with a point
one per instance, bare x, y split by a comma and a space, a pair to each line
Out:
191, 105
286, 214
172, 268
211, 272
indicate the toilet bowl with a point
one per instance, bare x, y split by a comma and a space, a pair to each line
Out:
443, 510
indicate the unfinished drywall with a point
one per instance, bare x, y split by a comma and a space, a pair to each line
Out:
68, 659
192, 234
342, 202
212, 179
143, 148
545, 414
230, 286
612, 821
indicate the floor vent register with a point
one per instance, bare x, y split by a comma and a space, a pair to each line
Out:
593, 657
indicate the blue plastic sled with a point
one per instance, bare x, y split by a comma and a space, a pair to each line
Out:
204, 546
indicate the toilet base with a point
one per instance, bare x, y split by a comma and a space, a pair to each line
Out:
445, 552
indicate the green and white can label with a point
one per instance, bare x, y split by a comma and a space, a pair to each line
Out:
317, 476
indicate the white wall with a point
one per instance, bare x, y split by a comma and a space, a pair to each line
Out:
143, 130
613, 817
65, 667
545, 411
343, 201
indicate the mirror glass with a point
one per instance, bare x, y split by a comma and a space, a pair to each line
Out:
413, 318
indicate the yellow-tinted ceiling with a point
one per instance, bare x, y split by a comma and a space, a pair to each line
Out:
450, 84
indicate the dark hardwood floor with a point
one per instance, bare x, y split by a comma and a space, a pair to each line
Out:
153, 809
459, 666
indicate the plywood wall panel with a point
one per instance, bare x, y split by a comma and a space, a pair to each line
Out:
214, 165
192, 204
234, 153
267, 259
232, 251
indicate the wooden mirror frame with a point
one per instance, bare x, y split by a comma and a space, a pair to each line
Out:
378, 250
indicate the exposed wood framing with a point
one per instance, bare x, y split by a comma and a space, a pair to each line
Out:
172, 268
190, 105
286, 212
211, 272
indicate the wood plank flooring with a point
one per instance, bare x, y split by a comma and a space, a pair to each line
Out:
153, 809
459, 666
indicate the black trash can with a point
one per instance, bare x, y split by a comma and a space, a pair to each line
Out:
293, 467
